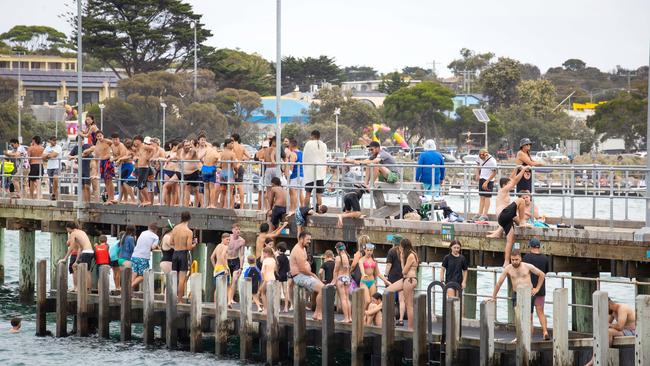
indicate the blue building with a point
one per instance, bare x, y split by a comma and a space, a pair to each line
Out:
462, 100
291, 110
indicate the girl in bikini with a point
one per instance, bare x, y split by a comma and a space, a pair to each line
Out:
370, 272
342, 275
355, 271
409, 282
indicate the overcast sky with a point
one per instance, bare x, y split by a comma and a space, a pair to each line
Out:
389, 35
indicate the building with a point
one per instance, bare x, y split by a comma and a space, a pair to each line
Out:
291, 110
368, 85
38, 62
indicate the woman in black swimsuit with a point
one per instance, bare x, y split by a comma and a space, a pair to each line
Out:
409, 281
523, 158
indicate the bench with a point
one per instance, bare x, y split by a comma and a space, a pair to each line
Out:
411, 189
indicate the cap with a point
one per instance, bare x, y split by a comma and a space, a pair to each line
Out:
340, 245
525, 141
147, 140
370, 246
429, 145
534, 243
373, 144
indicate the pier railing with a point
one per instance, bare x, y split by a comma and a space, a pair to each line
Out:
604, 192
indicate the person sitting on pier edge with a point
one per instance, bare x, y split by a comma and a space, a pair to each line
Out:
303, 213
351, 204
147, 241
384, 169
373, 315
409, 262
254, 274
79, 239
182, 241
301, 271
520, 276
511, 214
235, 257
524, 159
539, 260
454, 268
622, 322
430, 177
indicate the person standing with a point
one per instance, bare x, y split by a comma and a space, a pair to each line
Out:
301, 271
84, 172
183, 241
454, 268
297, 175
144, 151
240, 155
235, 257
393, 272
209, 176
227, 175
408, 284
314, 158
102, 150
539, 260
431, 178
53, 154
147, 241
485, 173
343, 280
21, 166
524, 159
35, 153
79, 239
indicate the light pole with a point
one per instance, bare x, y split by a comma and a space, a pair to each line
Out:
337, 112
80, 195
164, 106
101, 116
20, 100
194, 26
278, 80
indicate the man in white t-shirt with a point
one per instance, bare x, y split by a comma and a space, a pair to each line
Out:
314, 159
485, 173
53, 154
147, 241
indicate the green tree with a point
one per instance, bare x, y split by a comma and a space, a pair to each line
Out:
457, 128
539, 94
529, 72
471, 61
392, 82
624, 117
574, 64
418, 73
237, 105
359, 73
499, 82
240, 70
140, 36
418, 109
303, 72
35, 39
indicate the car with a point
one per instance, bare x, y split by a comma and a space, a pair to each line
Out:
393, 149
449, 159
552, 156
470, 159
357, 154
416, 152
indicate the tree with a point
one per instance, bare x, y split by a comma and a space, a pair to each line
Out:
35, 39
140, 36
470, 61
418, 73
456, 129
623, 117
529, 72
392, 82
418, 109
574, 64
327, 131
539, 94
304, 72
359, 73
240, 70
499, 82
237, 105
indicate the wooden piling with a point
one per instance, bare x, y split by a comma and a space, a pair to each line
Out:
642, 343
26, 276
62, 300
148, 293
41, 297
420, 339
196, 305
104, 313
299, 326
469, 301
272, 322
452, 326
2, 256
125, 305
388, 351
601, 327
488, 316
221, 316
171, 313
82, 300
58, 249
561, 354
522, 326
208, 284
327, 336
358, 311
581, 293
246, 319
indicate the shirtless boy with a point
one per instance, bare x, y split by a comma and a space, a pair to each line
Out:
143, 153
514, 212
219, 261
209, 175
190, 167
264, 234
78, 239
269, 266
104, 151
227, 174
519, 273
235, 256
278, 202
240, 155
301, 271
625, 324
182, 241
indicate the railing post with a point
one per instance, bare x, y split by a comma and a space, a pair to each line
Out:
358, 310
601, 328
642, 344
196, 305
388, 351
41, 298
103, 291
488, 316
62, 300
561, 354
420, 338
148, 306
522, 326
329, 294
171, 314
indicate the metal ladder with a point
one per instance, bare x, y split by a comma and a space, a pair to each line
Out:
430, 313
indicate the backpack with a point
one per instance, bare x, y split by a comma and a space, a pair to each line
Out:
114, 250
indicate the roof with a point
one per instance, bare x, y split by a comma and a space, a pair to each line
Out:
292, 110
42, 78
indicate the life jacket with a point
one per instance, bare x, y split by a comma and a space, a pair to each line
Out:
101, 255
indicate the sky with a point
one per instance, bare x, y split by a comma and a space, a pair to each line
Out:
389, 35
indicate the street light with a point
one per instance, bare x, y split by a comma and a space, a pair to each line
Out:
101, 116
194, 26
164, 106
20, 100
337, 112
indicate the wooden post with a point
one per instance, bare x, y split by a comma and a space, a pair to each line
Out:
272, 322
208, 284
125, 305
41, 297
601, 326
171, 338
2, 256
358, 311
452, 324
327, 336
488, 316
62, 300
103, 288
148, 292
522, 326
196, 305
221, 316
420, 339
26, 276
58, 248
299, 326
581, 293
199, 254
511, 310
388, 351
82, 299
642, 344
469, 301
156, 256
561, 354
246, 319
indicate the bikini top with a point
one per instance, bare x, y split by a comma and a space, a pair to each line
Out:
367, 264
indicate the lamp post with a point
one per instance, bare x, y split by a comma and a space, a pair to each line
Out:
101, 116
164, 106
20, 100
194, 26
278, 79
337, 112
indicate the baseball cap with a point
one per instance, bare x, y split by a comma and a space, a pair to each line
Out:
147, 140
534, 243
340, 245
373, 144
